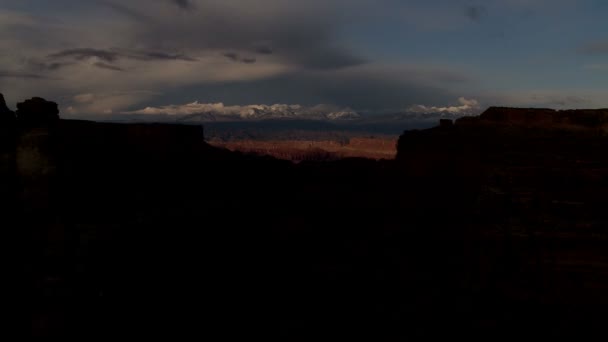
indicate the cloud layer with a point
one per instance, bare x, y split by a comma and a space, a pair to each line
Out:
232, 51
371, 55
145, 47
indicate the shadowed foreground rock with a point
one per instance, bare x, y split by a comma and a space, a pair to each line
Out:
496, 231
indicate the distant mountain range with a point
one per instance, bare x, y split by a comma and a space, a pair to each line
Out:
281, 121
209, 114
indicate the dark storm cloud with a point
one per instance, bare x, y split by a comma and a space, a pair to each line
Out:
374, 90
86, 53
298, 34
184, 4
125, 11
55, 66
326, 58
166, 56
263, 50
108, 66
235, 57
475, 12
154, 55
310, 45
282, 52
112, 56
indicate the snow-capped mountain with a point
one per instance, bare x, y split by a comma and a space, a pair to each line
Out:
197, 112
465, 107
208, 112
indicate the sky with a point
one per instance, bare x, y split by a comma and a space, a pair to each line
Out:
115, 56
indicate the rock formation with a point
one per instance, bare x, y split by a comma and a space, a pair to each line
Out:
580, 119
7, 116
37, 112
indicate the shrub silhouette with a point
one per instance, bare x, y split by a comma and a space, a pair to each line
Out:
37, 111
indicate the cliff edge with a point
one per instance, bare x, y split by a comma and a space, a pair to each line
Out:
576, 119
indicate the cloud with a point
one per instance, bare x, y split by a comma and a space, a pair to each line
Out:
113, 55
84, 98
235, 57
232, 56
330, 58
215, 108
299, 34
45, 66
263, 49
370, 87
183, 4
104, 103
125, 10
467, 106
16, 74
595, 48
104, 59
233, 51
155, 55
475, 13
106, 66
86, 53
158, 48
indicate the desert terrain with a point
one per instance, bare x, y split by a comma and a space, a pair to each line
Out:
310, 150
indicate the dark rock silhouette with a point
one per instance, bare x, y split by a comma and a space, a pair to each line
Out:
37, 112
7, 116
446, 123
492, 227
572, 120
